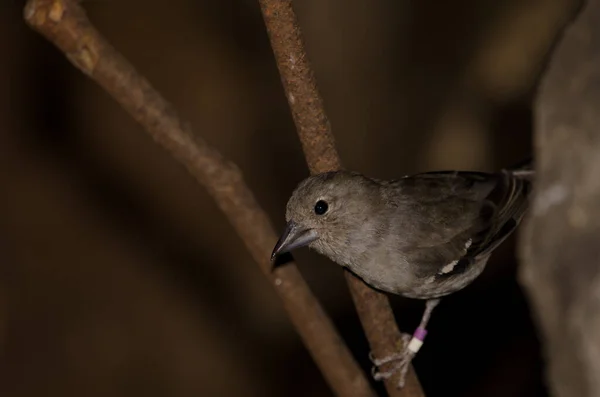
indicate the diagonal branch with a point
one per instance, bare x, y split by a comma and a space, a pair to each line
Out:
64, 23
318, 143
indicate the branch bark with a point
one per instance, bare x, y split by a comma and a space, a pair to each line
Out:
318, 144
559, 245
64, 23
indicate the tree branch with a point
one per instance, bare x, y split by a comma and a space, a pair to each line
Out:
559, 245
64, 23
318, 144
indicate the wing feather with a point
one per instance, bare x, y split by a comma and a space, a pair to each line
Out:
461, 217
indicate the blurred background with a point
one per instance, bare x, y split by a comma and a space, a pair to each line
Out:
120, 276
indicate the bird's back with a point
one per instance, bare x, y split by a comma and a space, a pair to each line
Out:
442, 228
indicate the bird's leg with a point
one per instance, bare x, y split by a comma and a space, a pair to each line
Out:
411, 345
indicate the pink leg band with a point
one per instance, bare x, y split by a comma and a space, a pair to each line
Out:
420, 334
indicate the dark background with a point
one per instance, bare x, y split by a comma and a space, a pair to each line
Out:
119, 275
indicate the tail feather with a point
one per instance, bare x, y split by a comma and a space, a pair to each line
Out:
522, 170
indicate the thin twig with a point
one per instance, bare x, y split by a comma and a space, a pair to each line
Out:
64, 23
318, 143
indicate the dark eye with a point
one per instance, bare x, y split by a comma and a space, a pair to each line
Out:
321, 207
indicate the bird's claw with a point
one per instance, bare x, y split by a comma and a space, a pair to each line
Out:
380, 375
405, 340
377, 362
401, 363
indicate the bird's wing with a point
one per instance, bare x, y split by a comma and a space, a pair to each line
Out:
456, 217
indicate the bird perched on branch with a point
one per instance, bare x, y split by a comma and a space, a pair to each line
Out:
422, 236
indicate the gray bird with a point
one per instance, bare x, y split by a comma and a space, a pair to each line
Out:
422, 236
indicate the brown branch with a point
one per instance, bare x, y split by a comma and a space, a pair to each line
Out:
65, 24
318, 143
559, 245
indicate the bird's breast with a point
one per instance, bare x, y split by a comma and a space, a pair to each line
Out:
384, 270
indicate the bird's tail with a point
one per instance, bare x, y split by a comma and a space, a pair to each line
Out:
523, 169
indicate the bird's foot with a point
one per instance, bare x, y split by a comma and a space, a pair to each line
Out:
401, 361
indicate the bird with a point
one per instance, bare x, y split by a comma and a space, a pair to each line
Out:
421, 236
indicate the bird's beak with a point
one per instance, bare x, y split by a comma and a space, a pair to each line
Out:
294, 236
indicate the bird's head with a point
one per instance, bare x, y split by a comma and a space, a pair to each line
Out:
326, 210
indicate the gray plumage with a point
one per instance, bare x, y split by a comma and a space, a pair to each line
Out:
422, 236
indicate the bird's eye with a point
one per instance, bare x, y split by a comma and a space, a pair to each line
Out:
321, 207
